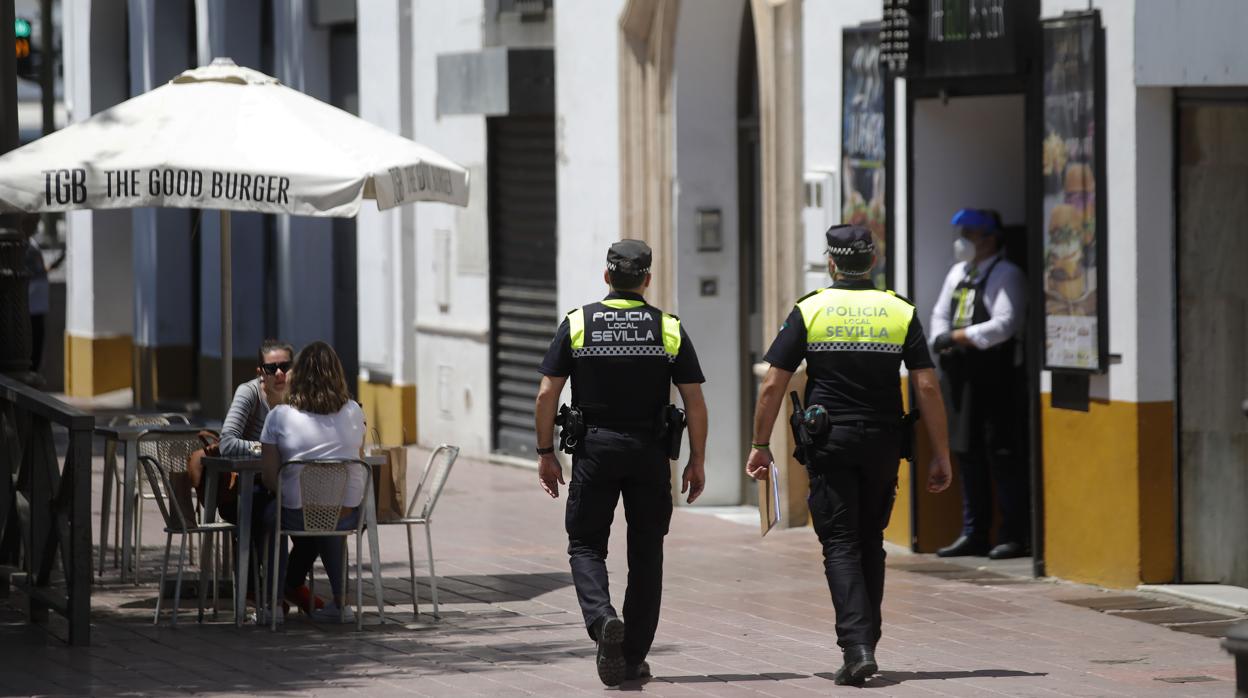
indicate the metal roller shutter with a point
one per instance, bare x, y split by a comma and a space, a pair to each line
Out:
523, 304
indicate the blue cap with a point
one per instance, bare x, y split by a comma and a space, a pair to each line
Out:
981, 218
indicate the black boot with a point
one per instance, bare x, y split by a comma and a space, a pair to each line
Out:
1008, 550
964, 545
858, 667
638, 671
609, 632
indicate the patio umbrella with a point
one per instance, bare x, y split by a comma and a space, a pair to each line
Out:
228, 138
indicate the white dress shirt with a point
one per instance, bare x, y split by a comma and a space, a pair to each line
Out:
1005, 296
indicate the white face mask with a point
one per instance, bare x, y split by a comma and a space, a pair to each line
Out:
963, 250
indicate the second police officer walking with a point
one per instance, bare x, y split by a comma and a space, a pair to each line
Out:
854, 340
623, 356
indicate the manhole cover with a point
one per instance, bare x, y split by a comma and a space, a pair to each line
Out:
1164, 616
1117, 603
1217, 628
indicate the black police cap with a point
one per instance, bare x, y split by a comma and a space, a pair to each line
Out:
849, 241
629, 257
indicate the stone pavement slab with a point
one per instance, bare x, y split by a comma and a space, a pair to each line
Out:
743, 616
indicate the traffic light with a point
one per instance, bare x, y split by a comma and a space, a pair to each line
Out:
22, 47
21, 32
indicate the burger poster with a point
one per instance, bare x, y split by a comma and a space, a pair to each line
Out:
1074, 262
862, 139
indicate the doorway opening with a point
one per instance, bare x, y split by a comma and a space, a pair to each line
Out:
1211, 330
523, 300
970, 151
750, 232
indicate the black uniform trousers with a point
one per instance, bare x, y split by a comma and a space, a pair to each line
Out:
983, 467
853, 483
988, 435
606, 465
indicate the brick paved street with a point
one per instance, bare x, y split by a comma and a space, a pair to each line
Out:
742, 616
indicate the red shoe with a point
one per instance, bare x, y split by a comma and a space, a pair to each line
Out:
302, 598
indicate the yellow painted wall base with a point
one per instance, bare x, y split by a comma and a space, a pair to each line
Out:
391, 409
97, 365
923, 521
900, 529
1109, 492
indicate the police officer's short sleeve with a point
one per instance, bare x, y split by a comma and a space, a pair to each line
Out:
686, 369
558, 359
789, 347
915, 353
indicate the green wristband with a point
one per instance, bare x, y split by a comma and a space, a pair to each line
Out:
765, 445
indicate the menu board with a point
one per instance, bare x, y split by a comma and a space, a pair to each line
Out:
976, 37
1076, 330
862, 140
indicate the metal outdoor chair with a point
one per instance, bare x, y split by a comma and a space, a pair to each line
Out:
177, 522
171, 451
110, 453
420, 513
322, 487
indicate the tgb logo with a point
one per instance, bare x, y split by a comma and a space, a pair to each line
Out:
64, 187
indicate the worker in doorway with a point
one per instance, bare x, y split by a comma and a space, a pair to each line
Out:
854, 340
623, 356
977, 325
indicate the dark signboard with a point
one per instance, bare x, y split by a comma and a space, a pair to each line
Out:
977, 37
862, 139
901, 36
1073, 161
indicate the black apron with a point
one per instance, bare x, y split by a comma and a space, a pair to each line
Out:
982, 387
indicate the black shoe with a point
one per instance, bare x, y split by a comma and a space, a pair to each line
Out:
1008, 550
963, 546
610, 634
634, 672
858, 667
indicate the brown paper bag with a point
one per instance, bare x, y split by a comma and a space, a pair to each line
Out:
390, 488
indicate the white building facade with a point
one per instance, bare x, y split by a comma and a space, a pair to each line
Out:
714, 131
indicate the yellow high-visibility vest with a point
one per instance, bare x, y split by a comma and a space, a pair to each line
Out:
840, 319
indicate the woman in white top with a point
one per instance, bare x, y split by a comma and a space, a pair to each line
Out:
319, 420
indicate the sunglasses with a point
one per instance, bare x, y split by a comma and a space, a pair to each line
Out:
273, 368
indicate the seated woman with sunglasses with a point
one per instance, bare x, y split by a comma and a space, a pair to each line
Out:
240, 433
319, 420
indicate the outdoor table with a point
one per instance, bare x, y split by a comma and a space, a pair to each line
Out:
248, 469
128, 438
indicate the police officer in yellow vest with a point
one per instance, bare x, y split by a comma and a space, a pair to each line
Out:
623, 356
854, 340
